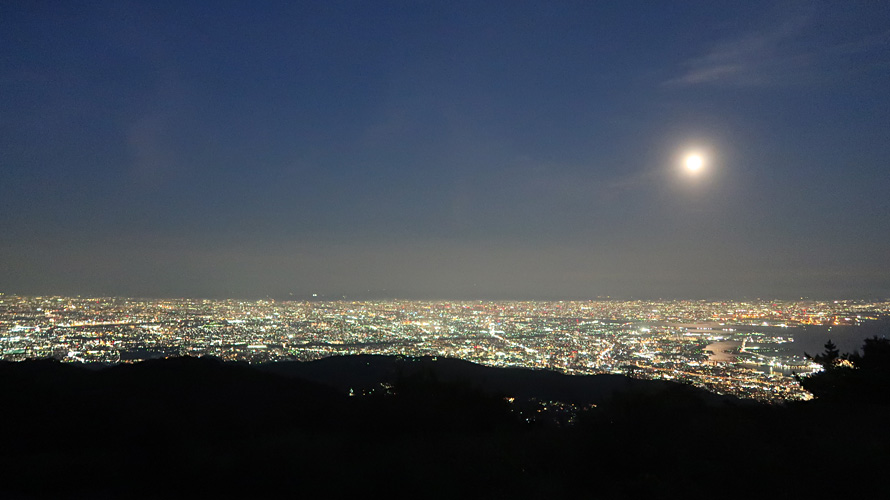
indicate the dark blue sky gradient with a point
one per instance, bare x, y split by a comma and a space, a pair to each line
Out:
444, 149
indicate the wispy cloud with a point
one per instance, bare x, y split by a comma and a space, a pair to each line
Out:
791, 53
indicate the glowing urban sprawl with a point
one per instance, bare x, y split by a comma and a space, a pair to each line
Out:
739, 348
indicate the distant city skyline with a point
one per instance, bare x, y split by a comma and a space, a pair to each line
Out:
445, 150
748, 349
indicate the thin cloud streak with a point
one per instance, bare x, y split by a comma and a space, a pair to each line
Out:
753, 59
790, 54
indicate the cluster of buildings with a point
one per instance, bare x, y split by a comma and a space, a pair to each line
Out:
740, 348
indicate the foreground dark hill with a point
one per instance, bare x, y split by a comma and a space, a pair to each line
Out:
366, 373
431, 429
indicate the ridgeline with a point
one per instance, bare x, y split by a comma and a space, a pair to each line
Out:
425, 427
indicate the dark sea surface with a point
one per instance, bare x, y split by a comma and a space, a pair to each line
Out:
811, 339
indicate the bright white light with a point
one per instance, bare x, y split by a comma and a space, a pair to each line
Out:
694, 163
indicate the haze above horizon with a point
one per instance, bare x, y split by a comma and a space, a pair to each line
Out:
463, 150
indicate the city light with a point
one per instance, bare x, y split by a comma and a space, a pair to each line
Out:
739, 348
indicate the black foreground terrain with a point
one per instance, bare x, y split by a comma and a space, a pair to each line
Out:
419, 428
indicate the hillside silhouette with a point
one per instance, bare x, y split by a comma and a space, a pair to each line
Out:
425, 427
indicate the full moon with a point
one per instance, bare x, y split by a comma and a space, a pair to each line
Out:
694, 162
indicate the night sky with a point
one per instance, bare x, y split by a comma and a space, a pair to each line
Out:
454, 150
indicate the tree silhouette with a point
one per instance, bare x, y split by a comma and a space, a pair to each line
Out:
829, 358
852, 377
875, 356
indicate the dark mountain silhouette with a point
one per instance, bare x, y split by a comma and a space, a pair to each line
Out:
368, 372
422, 428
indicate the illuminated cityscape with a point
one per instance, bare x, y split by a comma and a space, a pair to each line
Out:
444, 249
738, 348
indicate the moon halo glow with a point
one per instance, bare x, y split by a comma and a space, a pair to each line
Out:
694, 163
